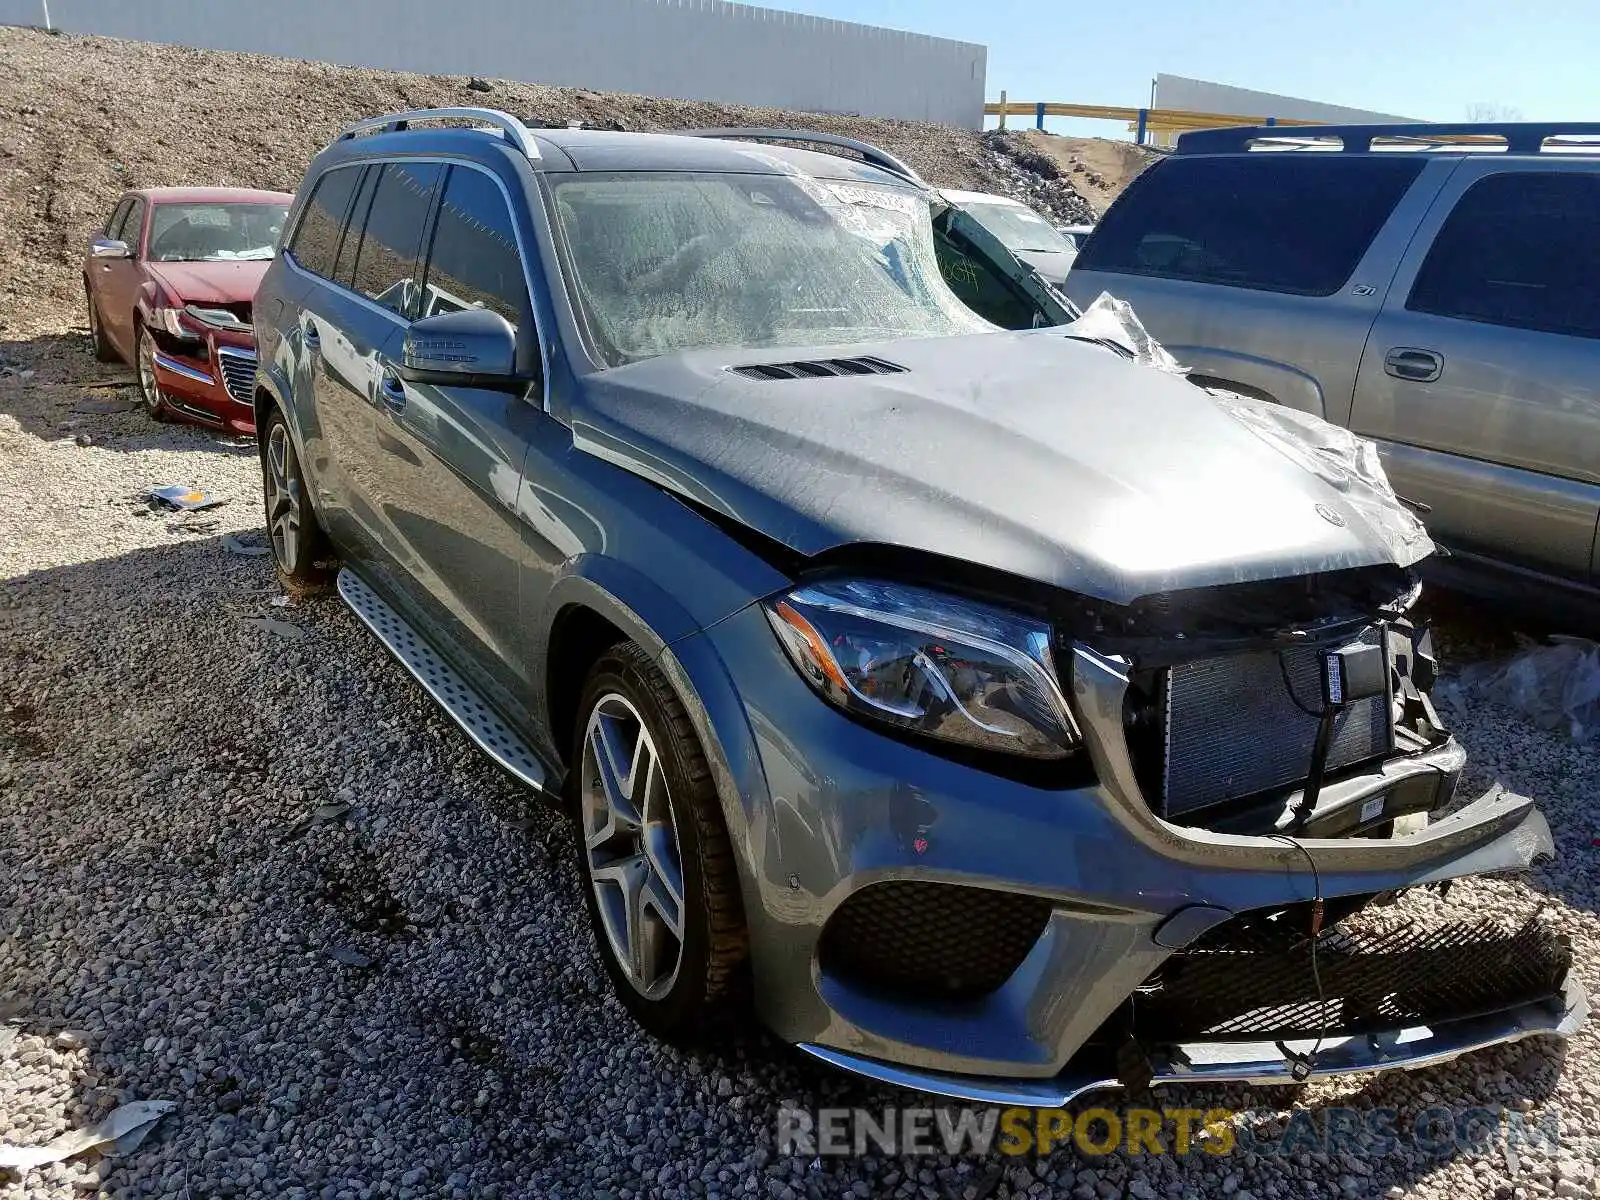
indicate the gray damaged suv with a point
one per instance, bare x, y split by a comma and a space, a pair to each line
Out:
999, 713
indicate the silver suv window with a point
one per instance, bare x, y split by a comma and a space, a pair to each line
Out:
1521, 249
663, 262
1296, 224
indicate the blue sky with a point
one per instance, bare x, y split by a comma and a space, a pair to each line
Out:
1418, 58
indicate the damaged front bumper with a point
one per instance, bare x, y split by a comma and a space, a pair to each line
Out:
1259, 1063
929, 923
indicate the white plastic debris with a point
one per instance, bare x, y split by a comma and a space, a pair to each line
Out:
125, 1126
1557, 685
1350, 463
1111, 320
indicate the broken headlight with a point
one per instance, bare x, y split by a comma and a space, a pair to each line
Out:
928, 663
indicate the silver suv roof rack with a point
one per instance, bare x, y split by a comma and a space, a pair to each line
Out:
514, 131
1517, 137
875, 156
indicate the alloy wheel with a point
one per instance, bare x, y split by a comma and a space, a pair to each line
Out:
283, 498
149, 390
631, 845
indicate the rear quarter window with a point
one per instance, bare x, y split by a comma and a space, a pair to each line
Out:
315, 244
1296, 223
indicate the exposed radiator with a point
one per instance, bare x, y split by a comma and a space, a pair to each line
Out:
1245, 723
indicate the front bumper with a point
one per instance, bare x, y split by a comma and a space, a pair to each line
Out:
822, 808
1256, 1063
210, 382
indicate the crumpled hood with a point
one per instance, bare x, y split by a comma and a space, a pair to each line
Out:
211, 282
1032, 453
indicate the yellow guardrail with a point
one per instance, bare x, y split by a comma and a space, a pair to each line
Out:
1142, 121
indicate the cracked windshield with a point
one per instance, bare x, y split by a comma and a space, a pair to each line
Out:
670, 263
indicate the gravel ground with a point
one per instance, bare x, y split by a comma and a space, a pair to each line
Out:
202, 819
208, 825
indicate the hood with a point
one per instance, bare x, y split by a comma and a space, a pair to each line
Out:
1052, 265
1036, 454
211, 282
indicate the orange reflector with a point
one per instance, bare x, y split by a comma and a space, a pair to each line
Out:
820, 654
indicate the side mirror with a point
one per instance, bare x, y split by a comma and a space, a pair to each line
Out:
470, 348
104, 247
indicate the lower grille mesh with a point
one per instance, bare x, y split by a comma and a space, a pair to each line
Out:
1257, 982
932, 940
1245, 723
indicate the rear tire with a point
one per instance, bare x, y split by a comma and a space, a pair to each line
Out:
658, 869
144, 350
300, 550
98, 342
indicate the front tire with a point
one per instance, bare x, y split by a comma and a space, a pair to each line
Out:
144, 359
300, 549
660, 881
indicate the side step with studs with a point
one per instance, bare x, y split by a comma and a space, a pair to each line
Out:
441, 681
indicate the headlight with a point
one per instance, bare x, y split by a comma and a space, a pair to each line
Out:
168, 319
220, 317
933, 664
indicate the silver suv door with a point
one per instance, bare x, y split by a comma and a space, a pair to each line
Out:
1481, 376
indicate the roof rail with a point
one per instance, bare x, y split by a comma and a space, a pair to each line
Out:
875, 156
1521, 137
514, 131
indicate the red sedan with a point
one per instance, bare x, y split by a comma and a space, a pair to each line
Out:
170, 281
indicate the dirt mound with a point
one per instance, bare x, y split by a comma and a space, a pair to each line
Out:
89, 117
1098, 168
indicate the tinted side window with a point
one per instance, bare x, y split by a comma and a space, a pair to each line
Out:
1272, 221
1519, 249
387, 266
344, 268
315, 244
474, 262
118, 219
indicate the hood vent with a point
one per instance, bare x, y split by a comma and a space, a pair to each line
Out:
821, 368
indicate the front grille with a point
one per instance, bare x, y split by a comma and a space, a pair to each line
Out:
931, 940
1254, 980
1245, 723
238, 373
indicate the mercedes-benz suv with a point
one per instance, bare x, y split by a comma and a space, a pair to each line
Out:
1000, 712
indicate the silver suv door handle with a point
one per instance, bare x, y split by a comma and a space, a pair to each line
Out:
1418, 366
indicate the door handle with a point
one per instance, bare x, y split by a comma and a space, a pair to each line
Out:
1418, 366
393, 393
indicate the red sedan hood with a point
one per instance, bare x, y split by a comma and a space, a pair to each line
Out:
211, 282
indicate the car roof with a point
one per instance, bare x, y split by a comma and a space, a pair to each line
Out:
609, 150
211, 195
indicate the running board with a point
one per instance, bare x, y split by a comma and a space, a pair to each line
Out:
442, 681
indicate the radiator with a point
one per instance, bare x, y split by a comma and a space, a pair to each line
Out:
1245, 723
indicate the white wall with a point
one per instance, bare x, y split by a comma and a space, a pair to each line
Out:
1196, 95
683, 49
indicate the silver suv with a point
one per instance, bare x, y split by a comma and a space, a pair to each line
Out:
1433, 288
